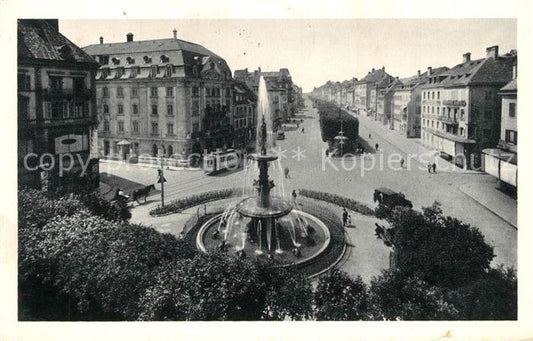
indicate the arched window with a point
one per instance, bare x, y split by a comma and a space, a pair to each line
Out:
170, 151
130, 60
164, 58
147, 59
115, 61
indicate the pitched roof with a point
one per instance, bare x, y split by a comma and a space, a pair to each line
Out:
512, 86
376, 76
37, 39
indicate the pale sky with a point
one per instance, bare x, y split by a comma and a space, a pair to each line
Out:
318, 50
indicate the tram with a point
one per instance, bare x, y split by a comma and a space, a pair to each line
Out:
221, 160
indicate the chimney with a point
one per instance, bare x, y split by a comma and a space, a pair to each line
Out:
418, 73
383, 68
101, 40
492, 52
129, 37
466, 57
373, 69
514, 71
175, 33
430, 70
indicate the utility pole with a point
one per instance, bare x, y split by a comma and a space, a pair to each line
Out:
162, 177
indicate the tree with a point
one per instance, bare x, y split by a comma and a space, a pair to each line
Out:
440, 250
491, 297
340, 298
223, 287
101, 268
395, 296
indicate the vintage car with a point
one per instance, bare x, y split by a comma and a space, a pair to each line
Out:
281, 135
387, 197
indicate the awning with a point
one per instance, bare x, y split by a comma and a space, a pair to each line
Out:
124, 143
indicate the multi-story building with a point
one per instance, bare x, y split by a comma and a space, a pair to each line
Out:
56, 110
161, 97
244, 118
384, 102
502, 161
461, 109
367, 89
406, 108
280, 89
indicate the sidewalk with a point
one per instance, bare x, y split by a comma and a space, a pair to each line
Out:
487, 194
410, 147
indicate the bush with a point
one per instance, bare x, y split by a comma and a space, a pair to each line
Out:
178, 205
338, 200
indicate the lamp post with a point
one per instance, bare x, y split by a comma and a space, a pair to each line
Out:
161, 176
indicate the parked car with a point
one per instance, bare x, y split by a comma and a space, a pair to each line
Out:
281, 135
387, 197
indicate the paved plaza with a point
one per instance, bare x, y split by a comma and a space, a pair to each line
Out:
468, 195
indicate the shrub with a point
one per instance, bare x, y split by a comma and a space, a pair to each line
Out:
196, 199
338, 200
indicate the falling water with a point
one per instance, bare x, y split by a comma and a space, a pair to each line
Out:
269, 235
259, 232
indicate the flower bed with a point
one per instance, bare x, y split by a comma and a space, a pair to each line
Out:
179, 205
350, 204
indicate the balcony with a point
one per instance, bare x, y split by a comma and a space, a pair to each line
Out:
454, 103
449, 120
83, 93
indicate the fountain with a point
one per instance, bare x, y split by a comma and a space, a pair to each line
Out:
264, 222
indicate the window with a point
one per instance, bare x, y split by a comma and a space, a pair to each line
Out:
120, 92
135, 109
462, 114
424, 95
170, 110
105, 92
56, 84
195, 108
170, 91
155, 70
121, 126
432, 110
106, 109
106, 126
155, 128
195, 91
432, 94
154, 109
511, 137
512, 109
134, 92
24, 82
438, 110
170, 129
228, 92
168, 71
23, 105
462, 131
135, 126
153, 92
438, 94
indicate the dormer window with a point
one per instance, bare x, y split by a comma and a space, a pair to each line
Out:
115, 61
130, 60
164, 59
147, 60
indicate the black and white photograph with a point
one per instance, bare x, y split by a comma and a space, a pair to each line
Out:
281, 167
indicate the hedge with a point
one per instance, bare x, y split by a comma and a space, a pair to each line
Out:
178, 205
338, 200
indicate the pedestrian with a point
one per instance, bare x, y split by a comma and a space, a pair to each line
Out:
369, 136
377, 147
294, 194
327, 152
303, 130
376, 196
344, 216
402, 162
434, 167
429, 167
286, 171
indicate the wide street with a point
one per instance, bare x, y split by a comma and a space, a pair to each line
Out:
356, 177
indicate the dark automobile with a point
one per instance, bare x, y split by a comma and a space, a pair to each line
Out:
281, 136
387, 197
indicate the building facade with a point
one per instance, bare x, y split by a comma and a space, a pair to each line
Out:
384, 102
406, 108
367, 89
502, 161
56, 110
461, 110
244, 118
163, 97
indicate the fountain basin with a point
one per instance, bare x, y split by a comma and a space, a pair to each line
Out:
251, 207
321, 240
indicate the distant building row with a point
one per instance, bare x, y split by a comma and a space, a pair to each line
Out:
457, 111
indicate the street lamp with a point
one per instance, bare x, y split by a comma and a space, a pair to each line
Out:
160, 175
